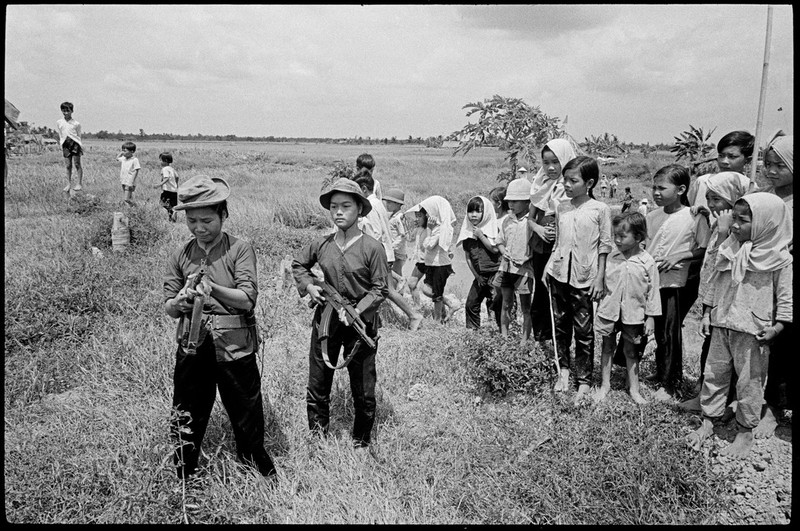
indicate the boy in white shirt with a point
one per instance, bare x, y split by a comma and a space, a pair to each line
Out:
168, 185
69, 135
129, 170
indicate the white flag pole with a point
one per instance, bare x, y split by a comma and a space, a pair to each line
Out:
762, 97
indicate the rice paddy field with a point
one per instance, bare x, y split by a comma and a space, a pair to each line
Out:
468, 430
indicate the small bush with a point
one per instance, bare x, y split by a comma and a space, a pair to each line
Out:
501, 365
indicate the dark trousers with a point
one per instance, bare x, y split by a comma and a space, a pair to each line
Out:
779, 393
540, 304
479, 291
675, 305
363, 377
572, 310
196, 380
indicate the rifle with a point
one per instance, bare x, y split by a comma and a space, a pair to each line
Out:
197, 312
335, 302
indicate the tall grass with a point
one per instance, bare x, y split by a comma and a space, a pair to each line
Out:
89, 356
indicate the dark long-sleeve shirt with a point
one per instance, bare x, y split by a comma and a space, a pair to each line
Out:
359, 273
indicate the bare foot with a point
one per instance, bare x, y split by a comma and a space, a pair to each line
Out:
741, 445
67, 188
693, 404
583, 391
415, 321
601, 393
766, 427
638, 398
563, 382
696, 439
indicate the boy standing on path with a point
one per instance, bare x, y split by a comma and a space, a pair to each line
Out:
69, 135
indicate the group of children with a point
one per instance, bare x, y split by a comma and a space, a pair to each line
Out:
69, 132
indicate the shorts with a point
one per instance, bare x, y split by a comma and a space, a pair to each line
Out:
522, 284
127, 187
70, 148
436, 278
421, 267
169, 199
632, 333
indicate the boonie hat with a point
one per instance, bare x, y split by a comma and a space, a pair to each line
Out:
518, 190
202, 191
346, 186
395, 195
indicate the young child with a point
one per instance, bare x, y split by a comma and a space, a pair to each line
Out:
577, 269
226, 356
627, 200
746, 308
69, 134
734, 153
603, 185
355, 265
630, 302
643, 207
516, 266
613, 184
168, 185
676, 237
779, 393
129, 170
547, 191
376, 224
417, 234
393, 201
498, 197
436, 215
365, 160
722, 191
478, 235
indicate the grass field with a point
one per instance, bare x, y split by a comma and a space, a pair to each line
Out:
89, 355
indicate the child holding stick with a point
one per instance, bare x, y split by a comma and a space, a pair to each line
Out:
478, 234
355, 265
630, 302
746, 308
576, 269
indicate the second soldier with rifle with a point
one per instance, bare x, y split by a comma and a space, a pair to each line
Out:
354, 266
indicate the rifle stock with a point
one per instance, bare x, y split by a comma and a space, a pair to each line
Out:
335, 299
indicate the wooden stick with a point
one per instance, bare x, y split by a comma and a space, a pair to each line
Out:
762, 97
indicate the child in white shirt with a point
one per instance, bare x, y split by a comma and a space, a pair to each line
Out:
168, 185
129, 170
69, 134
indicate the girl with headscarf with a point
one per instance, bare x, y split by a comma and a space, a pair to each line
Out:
547, 191
722, 190
478, 239
436, 215
779, 395
747, 306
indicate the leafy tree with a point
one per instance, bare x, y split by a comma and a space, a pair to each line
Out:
512, 125
693, 144
604, 145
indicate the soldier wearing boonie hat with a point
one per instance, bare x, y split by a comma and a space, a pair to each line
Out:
355, 265
225, 355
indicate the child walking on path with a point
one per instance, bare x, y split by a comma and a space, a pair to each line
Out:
128, 171
393, 201
722, 190
376, 224
168, 185
69, 135
478, 235
630, 302
436, 215
779, 393
547, 191
355, 265
577, 268
515, 273
746, 308
676, 237
225, 359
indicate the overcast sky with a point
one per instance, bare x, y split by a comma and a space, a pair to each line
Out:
643, 73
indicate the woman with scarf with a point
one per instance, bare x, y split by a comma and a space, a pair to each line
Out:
746, 307
547, 191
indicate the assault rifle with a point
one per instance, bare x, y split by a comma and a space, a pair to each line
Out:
334, 302
197, 312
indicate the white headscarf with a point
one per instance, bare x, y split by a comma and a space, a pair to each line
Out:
768, 247
439, 210
547, 192
488, 223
